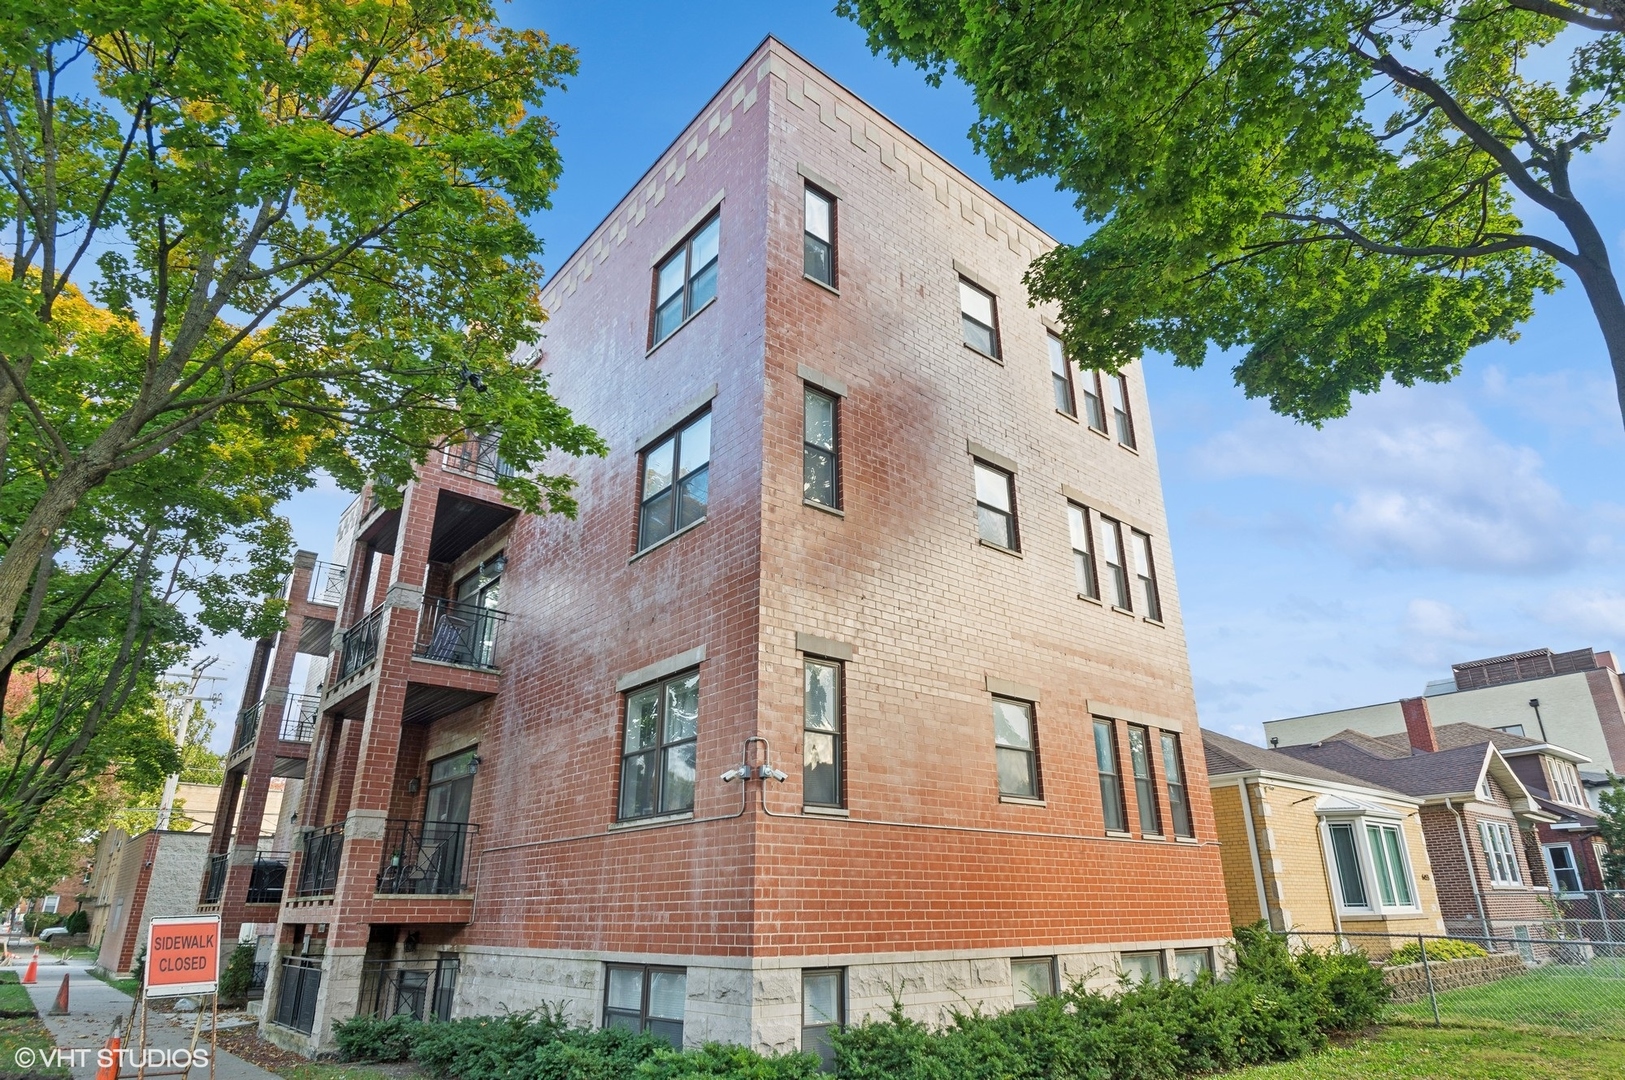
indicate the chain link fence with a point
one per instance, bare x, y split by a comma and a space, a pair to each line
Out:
1541, 977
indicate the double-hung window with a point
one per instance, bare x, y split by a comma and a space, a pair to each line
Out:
1387, 855
1094, 409
1145, 571
646, 998
1145, 787
1060, 377
820, 464
1346, 857
1565, 874
1016, 748
1111, 780
1083, 551
686, 280
818, 236
821, 734
823, 1012
1499, 853
1032, 978
657, 756
1111, 551
1173, 774
996, 506
1120, 411
979, 318
676, 481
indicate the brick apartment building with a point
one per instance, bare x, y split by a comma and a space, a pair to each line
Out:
862, 672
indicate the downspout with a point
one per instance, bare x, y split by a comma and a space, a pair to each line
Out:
1252, 850
1472, 871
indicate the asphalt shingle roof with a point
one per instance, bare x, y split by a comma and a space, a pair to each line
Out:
1227, 755
1421, 775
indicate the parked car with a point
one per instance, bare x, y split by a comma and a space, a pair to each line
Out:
51, 932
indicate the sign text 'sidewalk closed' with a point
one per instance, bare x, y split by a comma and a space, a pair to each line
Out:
183, 955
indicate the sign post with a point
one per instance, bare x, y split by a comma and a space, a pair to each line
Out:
183, 958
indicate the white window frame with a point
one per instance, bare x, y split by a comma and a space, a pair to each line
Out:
1360, 824
1551, 869
1563, 779
1500, 854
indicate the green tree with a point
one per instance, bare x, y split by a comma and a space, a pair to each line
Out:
1611, 824
1333, 185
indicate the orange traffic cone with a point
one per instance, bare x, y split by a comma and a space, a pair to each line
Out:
107, 1067
60, 1008
31, 976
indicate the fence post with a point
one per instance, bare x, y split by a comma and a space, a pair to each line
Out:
1602, 913
1427, 973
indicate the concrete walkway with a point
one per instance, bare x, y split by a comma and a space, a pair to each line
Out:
92, 1008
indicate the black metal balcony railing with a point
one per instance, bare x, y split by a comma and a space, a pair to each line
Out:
248, 726
426, 857
214, 878
327, 583
319, 872
458, 633
299, 716
256, 980
300, 983
266, 880
476, 456
359, 646
421, 989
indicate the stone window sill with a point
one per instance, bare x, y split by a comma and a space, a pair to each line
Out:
999, 547
835, 510
821, 284
1020, 800
978, 352
1095, 600
826, 811
679, 328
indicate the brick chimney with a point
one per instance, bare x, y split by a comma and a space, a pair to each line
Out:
1419, 725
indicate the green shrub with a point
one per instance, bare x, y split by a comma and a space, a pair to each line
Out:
78, 922
715, 1061
1440, 950
238, 974
35, 921
367, 1038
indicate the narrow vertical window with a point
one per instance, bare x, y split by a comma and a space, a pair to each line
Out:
1347, 859
1060, 377
1016, 748
821, 734
676, 481
1111, 550
978, 315
1499, 853
1111, 782
1145, 788
686, 280
1173, 774
1094, 409
1145, 571
996, 507
823, 1012
1083, 553
818, 237
657, 756
1120, 411
820, 472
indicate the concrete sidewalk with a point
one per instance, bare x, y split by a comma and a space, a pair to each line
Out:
93, 1006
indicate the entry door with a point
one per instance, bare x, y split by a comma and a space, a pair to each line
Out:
445, 819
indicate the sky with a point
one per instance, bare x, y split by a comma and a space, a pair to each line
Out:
1317, 569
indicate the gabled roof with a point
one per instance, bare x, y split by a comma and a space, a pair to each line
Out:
1447, 772
1451, 736
1228, 756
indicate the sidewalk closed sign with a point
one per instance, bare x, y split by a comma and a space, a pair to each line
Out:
183, 956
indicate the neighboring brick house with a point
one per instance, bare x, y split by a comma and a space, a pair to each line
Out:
1474, 809
858, 510
1307, 849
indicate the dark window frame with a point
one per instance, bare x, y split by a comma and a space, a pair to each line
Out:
824, 1052
1035, 766
674, 435
1091, 587
807, 235
1121, 587
1061, 381
996, 352
1150, 591
685, 249
1094, 412
660, 749
1111, 783
810, 449
1173, 777
644, 1018
1145, 787
839, 734
1124, 416
1011, 516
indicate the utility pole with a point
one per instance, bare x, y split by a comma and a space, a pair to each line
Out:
180, 710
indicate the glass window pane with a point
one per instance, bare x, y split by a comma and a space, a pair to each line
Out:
818, 215
820, 775
669, 317
1016, 773
642, 720
994, 527
682, 708
677, 793
1057, 356
1379, 859
657, 461
624, 1020
668, 994
822, 697
1142, 554
820, 998
819, 420
638, 785
1190, 964
815, 260
1109, 546
1396, 862
1079, 526
705, 248
1137, 753
671, 279
1012, 724
695, 496
1348, 866
696, 450
975, 303
656, 521
703, 288
626, 989
818, 476
1119, 393
1105, 759
1033, 979
670, 1030
993, 487
1143, 967
977, 336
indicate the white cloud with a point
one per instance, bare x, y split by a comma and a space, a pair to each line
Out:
1564, 401
1435, 619
1593, 614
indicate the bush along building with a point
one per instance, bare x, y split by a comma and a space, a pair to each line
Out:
860, 676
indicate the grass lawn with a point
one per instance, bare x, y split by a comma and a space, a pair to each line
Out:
1586, 998
1457, 1052
19, 1032
338, 1072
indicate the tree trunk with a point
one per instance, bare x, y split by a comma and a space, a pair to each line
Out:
1602, 289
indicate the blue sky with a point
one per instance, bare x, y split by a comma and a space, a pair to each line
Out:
1317, 569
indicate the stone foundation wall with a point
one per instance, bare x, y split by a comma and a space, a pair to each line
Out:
1410, 981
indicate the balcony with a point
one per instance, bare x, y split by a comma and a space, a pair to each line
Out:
426, 858
319, 873
359, 646
248, 726
214, 879
327, 582
421, 989
266, 880
453, 632
477, 456
299, 715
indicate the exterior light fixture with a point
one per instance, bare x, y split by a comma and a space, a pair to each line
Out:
767, 771
735, 773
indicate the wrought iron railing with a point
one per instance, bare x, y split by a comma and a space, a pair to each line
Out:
256, 980
426, 857
327, 583
266, 880
214, 878
359, 646
319, 870
421, 989
476, 456
248, 726
299, 985
299, 716
458, 633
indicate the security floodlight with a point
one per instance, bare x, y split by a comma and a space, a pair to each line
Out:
734, 774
